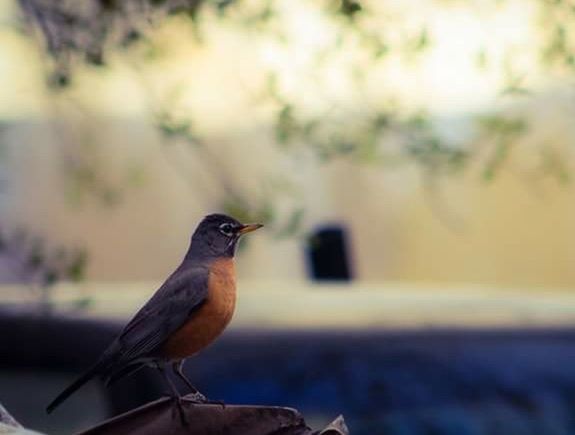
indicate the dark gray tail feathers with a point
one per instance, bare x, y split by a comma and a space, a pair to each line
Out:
122, 372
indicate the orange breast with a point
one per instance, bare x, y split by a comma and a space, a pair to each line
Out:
210, 320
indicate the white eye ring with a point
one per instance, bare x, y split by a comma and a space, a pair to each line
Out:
227, 229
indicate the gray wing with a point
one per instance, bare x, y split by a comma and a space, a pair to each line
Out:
172, 304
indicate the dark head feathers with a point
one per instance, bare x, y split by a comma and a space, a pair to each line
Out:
217, 219
216, 236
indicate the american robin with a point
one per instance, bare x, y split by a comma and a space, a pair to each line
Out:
187, 313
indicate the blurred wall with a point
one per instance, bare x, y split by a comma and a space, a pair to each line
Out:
145, 196
510, 232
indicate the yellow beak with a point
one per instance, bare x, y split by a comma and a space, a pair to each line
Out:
248, 228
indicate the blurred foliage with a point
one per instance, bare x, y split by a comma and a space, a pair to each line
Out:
502, 131
84, 164
76, 33
557, 17
34, 262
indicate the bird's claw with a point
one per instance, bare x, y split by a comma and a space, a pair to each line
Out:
196, 398
199, 398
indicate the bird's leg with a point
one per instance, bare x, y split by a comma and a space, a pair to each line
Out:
197, 397
175, 392
176, 395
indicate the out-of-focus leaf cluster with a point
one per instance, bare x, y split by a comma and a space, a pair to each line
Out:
32, 261
557, 18
75, 32
172, 127
501, 132
364, 139
84, 32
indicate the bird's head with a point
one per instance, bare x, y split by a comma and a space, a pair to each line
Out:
217, 235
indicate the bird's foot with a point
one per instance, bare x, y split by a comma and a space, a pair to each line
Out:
196, 397
199, 398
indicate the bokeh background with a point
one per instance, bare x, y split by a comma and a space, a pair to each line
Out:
412, 161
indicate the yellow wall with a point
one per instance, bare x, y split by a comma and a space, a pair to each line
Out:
511, 232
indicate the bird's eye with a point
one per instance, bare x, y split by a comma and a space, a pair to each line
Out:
227, 229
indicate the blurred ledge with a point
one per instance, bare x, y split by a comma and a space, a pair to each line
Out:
8, 425
161, 416
304, 306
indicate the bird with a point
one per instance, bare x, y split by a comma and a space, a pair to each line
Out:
187, 313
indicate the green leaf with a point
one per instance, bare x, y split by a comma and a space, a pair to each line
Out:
77, 267
350, 8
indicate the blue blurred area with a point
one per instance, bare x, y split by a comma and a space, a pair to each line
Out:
403, 383
393, 382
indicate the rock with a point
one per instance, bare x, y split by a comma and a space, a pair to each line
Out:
8, 425
162, 416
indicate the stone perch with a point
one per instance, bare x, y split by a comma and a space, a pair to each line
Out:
161, 416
